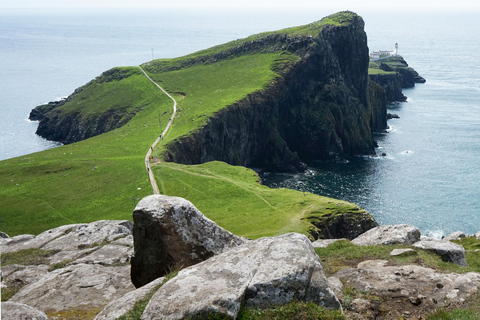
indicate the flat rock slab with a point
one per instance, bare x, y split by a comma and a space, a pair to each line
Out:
448, 251
76, 286
267, 271
121, 306
19, 311
413, 282
388, 235
108, 255
402, 252
90, 235
323, 243
171, 233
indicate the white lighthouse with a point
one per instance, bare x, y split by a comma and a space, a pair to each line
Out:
395, 52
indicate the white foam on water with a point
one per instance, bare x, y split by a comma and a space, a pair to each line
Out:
407, 152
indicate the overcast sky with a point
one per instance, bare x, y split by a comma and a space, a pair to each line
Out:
354, 5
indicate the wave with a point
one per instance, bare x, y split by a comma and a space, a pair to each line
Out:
407, 152
435, 234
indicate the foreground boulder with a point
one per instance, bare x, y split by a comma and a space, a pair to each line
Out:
261, 273
389, 235
448, 251
19, 311
170, 233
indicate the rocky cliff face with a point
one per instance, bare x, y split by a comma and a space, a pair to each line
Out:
68, 126
317, 110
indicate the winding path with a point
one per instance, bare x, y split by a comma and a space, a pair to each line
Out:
149, 153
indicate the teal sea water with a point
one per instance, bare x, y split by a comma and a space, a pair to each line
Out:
430, 176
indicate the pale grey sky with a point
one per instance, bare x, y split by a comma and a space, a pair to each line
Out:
334, 5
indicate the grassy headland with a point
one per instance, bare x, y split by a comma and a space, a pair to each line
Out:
104, 177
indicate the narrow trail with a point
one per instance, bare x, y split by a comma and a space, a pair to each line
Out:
149, 153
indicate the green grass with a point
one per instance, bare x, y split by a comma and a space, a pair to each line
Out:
233, 197
27, 257
291, 311
86, 181
375, 71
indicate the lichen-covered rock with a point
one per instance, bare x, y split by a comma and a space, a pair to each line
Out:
411, 281
121, 306
19, 311
388, 235
267, 271
92, 234
76, 286
70, 237
170, 233
448, 251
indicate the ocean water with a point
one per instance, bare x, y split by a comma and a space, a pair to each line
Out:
430, 176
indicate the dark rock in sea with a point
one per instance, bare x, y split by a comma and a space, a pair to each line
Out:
170, 233
392, 116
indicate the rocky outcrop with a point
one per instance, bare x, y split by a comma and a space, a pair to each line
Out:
346, 224
397, 76
74, 268
377, 101
170, 233
388, 235
76, 286
448, 251
457, 235
260, 273
19, 311
418, 284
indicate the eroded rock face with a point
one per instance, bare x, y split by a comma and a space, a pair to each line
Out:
419, 284
388, 235
170, 233
448, 251
121, 306
267, 271
19, 311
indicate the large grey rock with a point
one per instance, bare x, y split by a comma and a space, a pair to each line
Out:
19, 311
89, 235
448, 251
121, 306
388, 235
457, 235
477, 235
267, 271
76, 286
413, 282
170, 233
70, 237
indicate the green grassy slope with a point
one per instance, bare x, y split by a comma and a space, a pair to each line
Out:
104, 177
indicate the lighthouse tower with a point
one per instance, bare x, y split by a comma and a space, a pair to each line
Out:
395, 52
